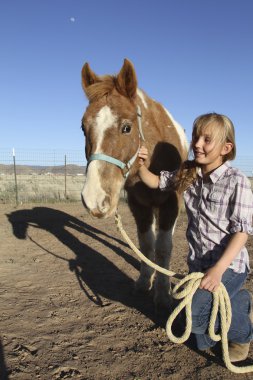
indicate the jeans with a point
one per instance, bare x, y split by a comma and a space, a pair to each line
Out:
241, 329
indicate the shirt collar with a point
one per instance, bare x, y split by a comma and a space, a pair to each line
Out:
217, 173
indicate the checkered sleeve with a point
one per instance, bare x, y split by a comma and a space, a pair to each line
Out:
166, 180
242, 207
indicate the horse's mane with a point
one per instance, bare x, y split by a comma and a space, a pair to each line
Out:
103, 87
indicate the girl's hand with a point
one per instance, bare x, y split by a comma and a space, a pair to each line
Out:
143, 155
211, 279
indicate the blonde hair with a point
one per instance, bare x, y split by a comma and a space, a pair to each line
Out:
221, 130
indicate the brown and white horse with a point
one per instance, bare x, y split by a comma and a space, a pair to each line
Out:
119, 116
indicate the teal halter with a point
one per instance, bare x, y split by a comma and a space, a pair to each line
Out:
124, 166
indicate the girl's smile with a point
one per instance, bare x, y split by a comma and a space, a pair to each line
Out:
198, 154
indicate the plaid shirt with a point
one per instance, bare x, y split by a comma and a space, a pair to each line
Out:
216, 208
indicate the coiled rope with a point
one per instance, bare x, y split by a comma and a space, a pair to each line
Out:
185, 290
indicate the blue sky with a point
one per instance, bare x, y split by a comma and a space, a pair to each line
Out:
194, 56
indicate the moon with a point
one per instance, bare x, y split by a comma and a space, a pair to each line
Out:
72, 19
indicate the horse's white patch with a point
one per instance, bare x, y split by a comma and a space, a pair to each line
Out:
104, 119
174, 226
179, 129
141, 96
93, 193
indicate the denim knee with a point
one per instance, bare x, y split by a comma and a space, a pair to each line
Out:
201, 308
241, 329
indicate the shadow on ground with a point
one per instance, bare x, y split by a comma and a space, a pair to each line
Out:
98, 277
3, 368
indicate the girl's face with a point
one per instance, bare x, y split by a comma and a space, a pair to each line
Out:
209, 153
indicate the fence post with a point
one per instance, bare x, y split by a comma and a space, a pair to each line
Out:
15, 175
65, 175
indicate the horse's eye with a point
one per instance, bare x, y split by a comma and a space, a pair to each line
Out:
126, 128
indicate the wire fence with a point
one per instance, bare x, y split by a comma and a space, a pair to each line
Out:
41, 175
55, 175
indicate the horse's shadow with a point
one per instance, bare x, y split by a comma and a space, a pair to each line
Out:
3, 368
98, 277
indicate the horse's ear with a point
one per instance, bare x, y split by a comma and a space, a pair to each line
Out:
88, 76
126, 80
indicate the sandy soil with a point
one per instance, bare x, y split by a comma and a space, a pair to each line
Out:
67, 306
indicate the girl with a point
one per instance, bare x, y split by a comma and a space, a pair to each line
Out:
219, 206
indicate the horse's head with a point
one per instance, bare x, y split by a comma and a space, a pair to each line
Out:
110, 125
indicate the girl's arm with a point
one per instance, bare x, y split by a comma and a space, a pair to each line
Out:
165, 181
212, 276
150, 179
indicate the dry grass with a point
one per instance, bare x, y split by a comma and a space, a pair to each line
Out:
42, 188
37, 188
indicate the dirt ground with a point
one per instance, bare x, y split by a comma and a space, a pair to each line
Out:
67, 306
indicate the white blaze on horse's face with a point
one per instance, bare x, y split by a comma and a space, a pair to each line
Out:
99, 200
104, 120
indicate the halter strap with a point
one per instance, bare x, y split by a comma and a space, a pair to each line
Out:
104, 157
139, 116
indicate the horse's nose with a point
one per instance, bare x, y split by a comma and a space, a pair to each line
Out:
102, 208
105, 204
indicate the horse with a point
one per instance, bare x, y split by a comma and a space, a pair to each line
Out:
118, 119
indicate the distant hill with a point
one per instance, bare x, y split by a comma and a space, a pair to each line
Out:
39, 170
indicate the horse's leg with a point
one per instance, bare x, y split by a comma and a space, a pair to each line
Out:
163, 255
146, 235
166, 222
147, 247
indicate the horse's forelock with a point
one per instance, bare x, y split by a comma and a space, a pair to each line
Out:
100, 89
104, 87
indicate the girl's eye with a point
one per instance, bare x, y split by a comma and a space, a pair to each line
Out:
126, 128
